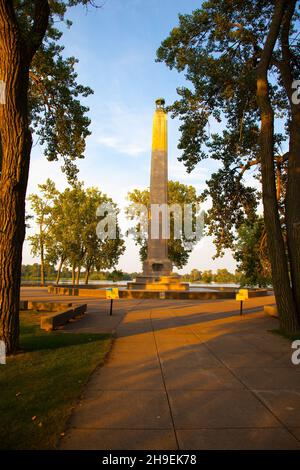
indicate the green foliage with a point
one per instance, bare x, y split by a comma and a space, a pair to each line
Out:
232, 202
58, 118
42, 206
218, 47
70, 234
195, 275
31, 271
207, 277
116, 275
178, 193
252, 256
223, 276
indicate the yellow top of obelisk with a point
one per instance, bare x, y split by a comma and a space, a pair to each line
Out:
160, 129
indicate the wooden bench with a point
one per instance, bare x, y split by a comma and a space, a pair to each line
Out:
60, 318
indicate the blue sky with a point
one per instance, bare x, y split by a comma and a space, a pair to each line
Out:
116, 48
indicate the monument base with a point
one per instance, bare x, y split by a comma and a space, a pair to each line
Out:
158, 283
156, 268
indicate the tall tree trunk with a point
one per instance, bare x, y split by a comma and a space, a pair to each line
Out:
16, 54
87, 274
61, 262
279, 262
42, 267
16, 146
78, 275
293, 206
293, 182
73, 274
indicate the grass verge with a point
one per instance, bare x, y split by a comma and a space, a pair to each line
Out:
285, 335
39, 386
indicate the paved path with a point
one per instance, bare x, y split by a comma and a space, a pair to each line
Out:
97, 319
182, 375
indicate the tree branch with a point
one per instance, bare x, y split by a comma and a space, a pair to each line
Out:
42, 90
40, 25
280, 159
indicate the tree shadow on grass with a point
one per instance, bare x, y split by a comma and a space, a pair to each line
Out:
32, 338
55, 340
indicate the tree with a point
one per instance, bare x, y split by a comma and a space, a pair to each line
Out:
251, 255
179, 249
116, 275
99, 254
195, 275
28, 45
241, 58
31, 272
41, 205
223, 276
72, 234
207, 277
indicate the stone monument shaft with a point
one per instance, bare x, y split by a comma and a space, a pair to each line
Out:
157, 268
157, 263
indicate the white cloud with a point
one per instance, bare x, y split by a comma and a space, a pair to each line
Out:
122, 129
177, 171
127, 148
41, 169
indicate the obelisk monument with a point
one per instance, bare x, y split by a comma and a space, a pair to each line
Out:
157, 268
158, 263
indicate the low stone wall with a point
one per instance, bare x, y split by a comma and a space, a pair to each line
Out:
257, 293
82, 292
87, 286
176, 295
81, 286
145, 294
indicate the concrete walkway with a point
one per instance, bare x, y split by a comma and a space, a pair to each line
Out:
97, 319
182, 375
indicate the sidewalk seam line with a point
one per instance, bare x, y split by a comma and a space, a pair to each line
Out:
163, 379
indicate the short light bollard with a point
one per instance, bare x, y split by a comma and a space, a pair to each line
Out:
240, 297
112, 293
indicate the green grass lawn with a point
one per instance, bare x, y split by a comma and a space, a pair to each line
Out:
285, 335
39, 386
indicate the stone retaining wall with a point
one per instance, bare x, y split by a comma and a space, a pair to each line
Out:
144, 294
